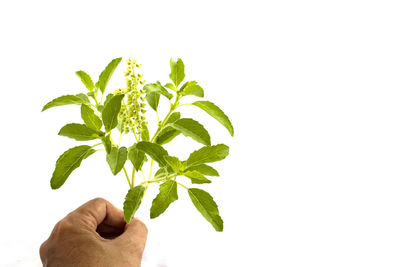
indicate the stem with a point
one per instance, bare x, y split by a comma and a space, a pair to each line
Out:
120, 136
133, 176
151, 168
182, 185
127, 177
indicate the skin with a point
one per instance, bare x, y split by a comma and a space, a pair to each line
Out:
95, 234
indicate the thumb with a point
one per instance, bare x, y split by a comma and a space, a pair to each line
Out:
134, 236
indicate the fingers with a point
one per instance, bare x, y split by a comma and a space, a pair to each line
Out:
135, 235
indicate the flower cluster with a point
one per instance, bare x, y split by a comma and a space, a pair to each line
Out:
133, 106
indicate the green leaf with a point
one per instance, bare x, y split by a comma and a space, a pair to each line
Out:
153, 99
216, 113
193, 129
204, 169
107, 143
145, 132
168, 194
167, 135
208, 154
177, 71
192, 88
110, 112
157, 88
108, 98
206, 205
86, 79
116, 159
84, 98
79, 132
67, 162
136, 156
90, 118
155, 151
196, 177
170, 86
64, 100
174, 117
107, 73
132, 202
174, 162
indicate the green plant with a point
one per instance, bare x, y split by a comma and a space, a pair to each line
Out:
124, 109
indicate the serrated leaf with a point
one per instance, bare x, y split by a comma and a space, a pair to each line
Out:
196, 177
206, 205
192, 88
167, 135
107, 143
79, 132
110, 112
136, 156
193, 129
174, 163
67, 162
157, 88
116, 159
90, 118
63, 100
168, 193
86, 79
204, 169
153, 99
177, 71
133, 199
155, 151
107, 73
145, 132
216, 113
170, 86
208, 154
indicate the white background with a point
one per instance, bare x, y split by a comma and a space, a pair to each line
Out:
311, 87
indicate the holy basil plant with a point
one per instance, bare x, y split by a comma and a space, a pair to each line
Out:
123, 110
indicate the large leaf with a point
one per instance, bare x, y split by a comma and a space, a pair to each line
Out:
64, 100
136, 156
132, 202
208, 154
90, 118
174, 163
107, 143
204, 169
157, 88
193, 129
216, 113
168, 194
110, 112
116, 159
196, 177
79, 132
67, 162
177, 71
205, 204
107, 73
155, 151
86, 79
192, 88
153, 99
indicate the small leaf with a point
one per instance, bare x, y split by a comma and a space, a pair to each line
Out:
90, 118
136, 156
208, 154
193, 129
84, 98
177, 71
167, 135
216, 113
204, 169
155, 151
153, 99
145, 132
132, 202
196, 177
108, 98
79, 132
63, 100
107, 143
67, 162
192, 88
116, 159
86, 79
174, 117
174, 162
168, 194
170, 86
157, 88
107, 73
206, 205
110, 112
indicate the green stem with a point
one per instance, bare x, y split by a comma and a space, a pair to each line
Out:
127, 177
182, 185
151, 168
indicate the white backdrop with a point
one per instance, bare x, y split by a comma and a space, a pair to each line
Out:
311, 87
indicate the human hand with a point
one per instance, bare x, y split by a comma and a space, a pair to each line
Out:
95, 234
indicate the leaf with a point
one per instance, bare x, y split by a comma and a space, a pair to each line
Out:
193, 129
196, 177
170, 86
145, 132
204, 169
177, 71
108, 98
168, 194
67, 162
153, 99
216, 113
63, 100
84, 98
110, 112
174, 162
155, 151
157, 88
167, 135
206, 205
208, 154
107, 73
86, 79
174, 117
116, 159
136, 156
79, 132
90, 118
107, 143
132, 202
192, 88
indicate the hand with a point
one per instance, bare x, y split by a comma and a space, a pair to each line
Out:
95, 234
